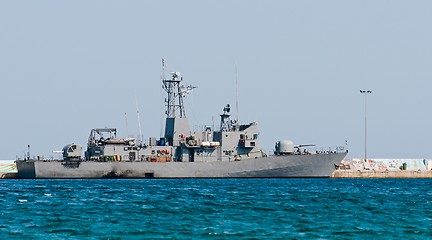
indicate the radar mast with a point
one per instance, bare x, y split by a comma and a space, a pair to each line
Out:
176, 123
175, 92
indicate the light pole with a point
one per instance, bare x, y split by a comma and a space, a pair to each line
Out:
365, 92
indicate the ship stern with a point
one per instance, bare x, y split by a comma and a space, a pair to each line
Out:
26, 169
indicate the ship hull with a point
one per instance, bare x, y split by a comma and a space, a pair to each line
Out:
316, 165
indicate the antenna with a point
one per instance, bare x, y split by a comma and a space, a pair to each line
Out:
127, 125
139, 120
236, 78
160, 96
163, 69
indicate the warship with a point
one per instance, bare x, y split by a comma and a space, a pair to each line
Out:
231, 151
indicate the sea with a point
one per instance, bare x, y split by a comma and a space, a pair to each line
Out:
295, 208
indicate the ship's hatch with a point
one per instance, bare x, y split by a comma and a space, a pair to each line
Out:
149, 175
132, 156
191, 154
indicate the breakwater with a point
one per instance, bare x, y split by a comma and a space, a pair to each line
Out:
384, 168
8, 170
381, 174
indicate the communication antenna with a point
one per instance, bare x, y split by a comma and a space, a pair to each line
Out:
162, 76
236, 78
127, 125
139, 120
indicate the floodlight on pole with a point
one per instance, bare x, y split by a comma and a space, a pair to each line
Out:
365, 92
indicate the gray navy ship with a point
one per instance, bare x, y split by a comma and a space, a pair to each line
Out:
231, 151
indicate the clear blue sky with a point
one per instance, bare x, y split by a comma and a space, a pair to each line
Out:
69, 66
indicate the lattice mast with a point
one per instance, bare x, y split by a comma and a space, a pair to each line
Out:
175, 94
176, 122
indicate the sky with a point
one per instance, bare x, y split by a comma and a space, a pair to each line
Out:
69, 66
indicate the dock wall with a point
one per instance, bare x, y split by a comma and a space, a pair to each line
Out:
384, 168
8, 175
381, 174
8, 170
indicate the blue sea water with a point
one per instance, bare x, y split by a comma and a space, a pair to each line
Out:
216, 209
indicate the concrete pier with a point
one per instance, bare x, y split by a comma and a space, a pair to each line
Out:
380, 174
384, 168
8, 170
4, 175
